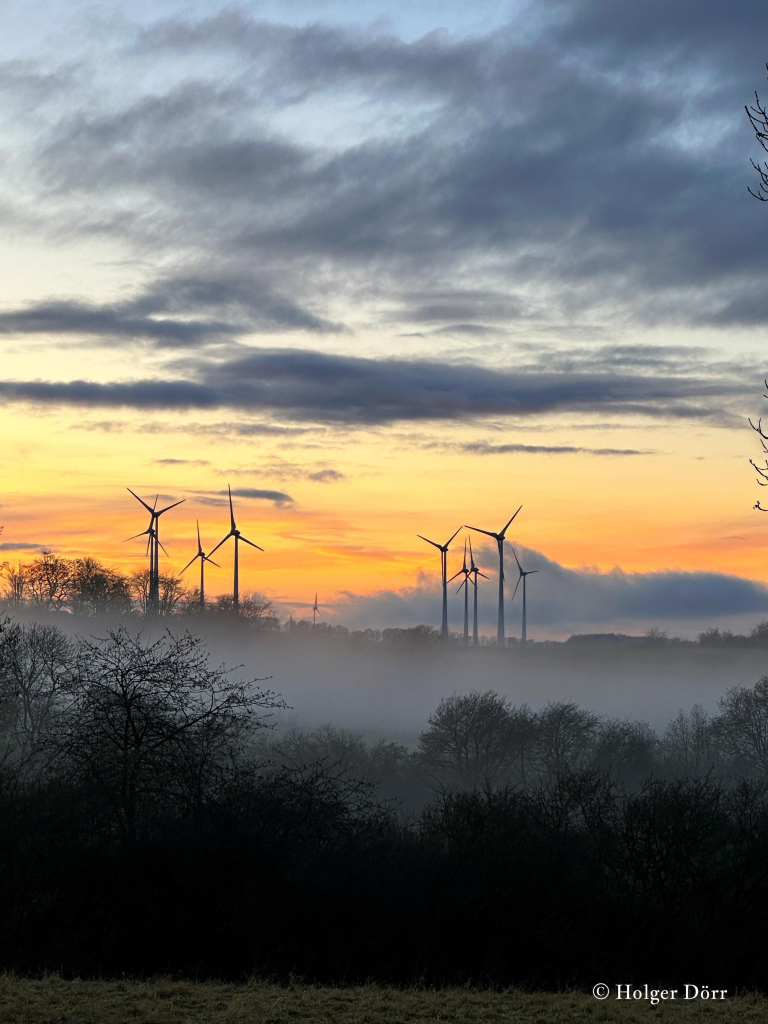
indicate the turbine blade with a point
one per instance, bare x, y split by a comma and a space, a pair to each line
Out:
221, 542
231, 510
429, 542
462, 584
188, 565
471, 556
146, 506
136, 535
507, 526
169, 507
199, 545
207, 559
445, 546
516, 586
517, 559
242, 538
483, 575
486, 532
454, 576
158, 541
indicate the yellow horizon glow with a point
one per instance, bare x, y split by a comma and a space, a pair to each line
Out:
687, 507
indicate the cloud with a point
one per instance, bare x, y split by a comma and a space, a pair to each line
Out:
572, 152
21, 545
297, 384
486, 448
282, 469
181, 462
168, 314
257, 494
278, 498
326, 476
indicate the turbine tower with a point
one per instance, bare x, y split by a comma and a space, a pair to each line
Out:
443, 549
474, 571
203, 559
499, 538
522, 576
154, 545
234, 532
465, 572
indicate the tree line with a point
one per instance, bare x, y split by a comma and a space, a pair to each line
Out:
152, 821
88, 587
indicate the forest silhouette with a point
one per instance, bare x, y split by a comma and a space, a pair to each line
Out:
152, 821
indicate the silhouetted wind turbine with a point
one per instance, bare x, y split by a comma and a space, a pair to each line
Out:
465, 572
315, 610
474, 571
149, 533
443, 549
522, 576
499, 538
234, 532
203, 559
154, 534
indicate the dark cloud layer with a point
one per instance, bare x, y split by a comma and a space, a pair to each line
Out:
168, 314
593, 170
306, 385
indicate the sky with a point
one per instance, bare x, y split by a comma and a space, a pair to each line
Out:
386, 270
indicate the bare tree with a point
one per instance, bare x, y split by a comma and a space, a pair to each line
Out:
762, 471
172, 594
151, 723
468, 741
743, 725
15, 582
565, 737
256, 609
48, 580
95, 587
34, 665
626, 750
758, 118
690, 743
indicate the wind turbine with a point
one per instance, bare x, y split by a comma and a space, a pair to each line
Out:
499, 538
315, 610
522, 576
203, 559
234, 532
149, 533
474, 571
465, 572
443, 549
154, 545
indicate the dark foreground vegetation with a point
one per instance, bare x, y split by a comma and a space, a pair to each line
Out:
150, 823
166, 1001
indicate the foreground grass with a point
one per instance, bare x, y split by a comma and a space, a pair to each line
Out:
53, 1000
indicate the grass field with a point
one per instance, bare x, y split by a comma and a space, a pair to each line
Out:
55, 1001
